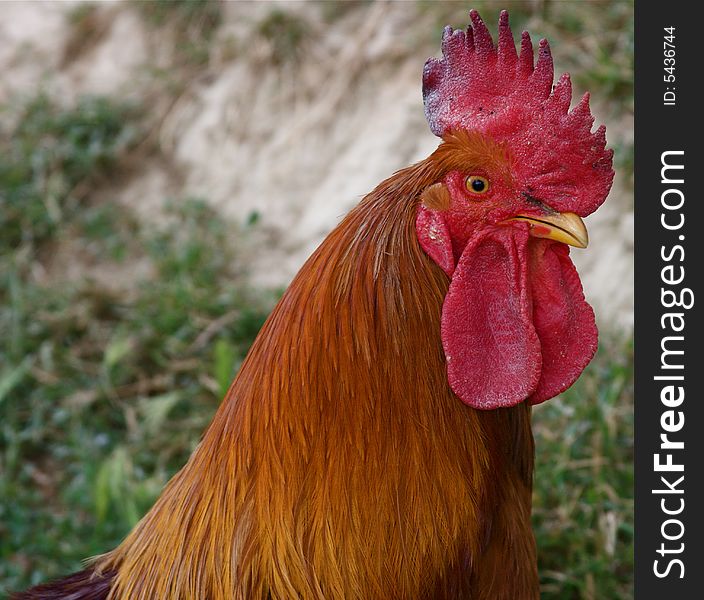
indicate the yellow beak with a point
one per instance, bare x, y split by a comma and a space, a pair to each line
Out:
567, 228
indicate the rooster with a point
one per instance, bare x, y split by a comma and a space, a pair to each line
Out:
376, 442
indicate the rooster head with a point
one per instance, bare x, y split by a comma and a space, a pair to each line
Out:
520, 170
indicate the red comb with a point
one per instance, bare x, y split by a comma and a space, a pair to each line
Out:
494, 90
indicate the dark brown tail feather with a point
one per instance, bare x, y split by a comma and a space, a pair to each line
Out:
84, 585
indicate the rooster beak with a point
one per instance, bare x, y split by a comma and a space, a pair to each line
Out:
567, 228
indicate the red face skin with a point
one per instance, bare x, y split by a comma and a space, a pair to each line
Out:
515, 325
470, 211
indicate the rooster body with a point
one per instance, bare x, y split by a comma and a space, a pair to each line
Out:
342, 466
356, 456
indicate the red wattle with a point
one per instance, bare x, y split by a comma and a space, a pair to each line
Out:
515, 325
561, 316
492, 349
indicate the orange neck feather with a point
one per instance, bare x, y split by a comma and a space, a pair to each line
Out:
339, 465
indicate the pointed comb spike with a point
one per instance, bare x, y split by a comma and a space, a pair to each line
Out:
453, 45
507, 47
580, 115
600, 136
562, 94
604, 162
583, 104
543, 74
525, 60
469, 39
446, 35
483, 43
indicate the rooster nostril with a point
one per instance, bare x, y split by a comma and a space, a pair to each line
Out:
538, 203
531, 199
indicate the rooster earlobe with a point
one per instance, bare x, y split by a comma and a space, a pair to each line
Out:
431, 228
436, 197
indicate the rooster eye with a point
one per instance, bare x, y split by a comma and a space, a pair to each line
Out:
477, 184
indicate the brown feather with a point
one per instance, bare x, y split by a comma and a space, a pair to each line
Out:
84, 585
340, 464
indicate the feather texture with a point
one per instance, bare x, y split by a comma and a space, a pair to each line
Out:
340, 464
84, 585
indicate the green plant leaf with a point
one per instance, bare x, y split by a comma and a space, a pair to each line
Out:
11, 377
225, 357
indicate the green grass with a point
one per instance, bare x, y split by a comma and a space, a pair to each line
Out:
104, 389
49, 159
104, 393
583, 500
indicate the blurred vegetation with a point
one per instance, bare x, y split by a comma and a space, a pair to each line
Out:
49, 160
104, 389
107, 380
194, 23
285, 33
583, 498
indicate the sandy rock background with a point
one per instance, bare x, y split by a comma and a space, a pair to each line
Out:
291, 111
